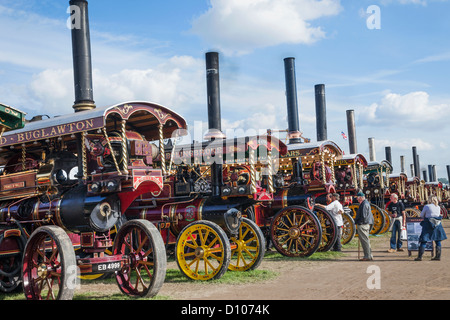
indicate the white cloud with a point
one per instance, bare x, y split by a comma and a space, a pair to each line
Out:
238, 27
413, 108
53, 88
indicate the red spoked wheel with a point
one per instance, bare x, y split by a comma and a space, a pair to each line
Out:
296, 232
49, 265
145, 270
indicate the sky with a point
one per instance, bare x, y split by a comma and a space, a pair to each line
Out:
388, 60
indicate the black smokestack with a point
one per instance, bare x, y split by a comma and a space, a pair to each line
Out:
291, 98
321, 112
351, 132
435, 179
430, 172
418, 166
448, 173
214, 116
213, 92
402, 164
81, 50
388, 154
415, 162
424, 172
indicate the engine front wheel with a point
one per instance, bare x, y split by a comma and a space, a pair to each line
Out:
49, 265
296, 232
145, 270
203, 251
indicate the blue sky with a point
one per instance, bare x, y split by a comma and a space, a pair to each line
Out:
395, 77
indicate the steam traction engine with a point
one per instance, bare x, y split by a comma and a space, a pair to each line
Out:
204, 200
297, 226
65, 182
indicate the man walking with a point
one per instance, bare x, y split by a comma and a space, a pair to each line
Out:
364, 222
397, 212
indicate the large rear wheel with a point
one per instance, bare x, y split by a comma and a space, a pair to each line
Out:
296, 232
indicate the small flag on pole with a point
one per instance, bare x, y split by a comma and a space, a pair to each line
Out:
343, 135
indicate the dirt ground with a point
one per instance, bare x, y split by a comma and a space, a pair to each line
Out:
390, 276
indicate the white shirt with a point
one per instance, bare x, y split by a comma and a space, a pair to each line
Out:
336, 209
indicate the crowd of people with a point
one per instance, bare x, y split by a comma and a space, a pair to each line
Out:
432, 230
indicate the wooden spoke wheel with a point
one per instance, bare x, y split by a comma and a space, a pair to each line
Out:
248, 247
378, 218
412, 213
145, 271
203, 251
388, 222
49, 265
349, 229
296, 232
329, 228
11, 265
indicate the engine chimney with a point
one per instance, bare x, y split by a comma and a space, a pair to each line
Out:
291, 99
81, 50
321, 112
435, 179
415, 162
430, 172
372, 154
448, 173
214, 116
388, 154
351, 127
402, 164
424, 173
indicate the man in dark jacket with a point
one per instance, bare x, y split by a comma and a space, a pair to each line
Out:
364, 222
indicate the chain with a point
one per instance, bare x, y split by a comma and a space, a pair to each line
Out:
161, 150
124, 147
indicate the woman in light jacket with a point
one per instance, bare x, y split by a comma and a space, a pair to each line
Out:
432, 229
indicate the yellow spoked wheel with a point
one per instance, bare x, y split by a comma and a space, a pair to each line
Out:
388, 222
412, 212
349, 229
248, 247
203, 251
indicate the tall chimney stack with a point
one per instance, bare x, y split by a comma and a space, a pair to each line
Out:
372, 154
415, 162
388, 154
351, 127
424, 172
214, 115
402, 164
435, 179
448, 173
291, 99
321, 112
81, 51
430, 172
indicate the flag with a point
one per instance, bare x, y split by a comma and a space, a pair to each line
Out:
343, 135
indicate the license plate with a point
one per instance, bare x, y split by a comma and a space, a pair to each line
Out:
106, 267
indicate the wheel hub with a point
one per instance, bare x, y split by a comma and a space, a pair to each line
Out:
294, 232
42, 270
199, 252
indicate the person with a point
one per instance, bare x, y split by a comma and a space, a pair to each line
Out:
336, 210
432, 229
398, 214
364, 222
